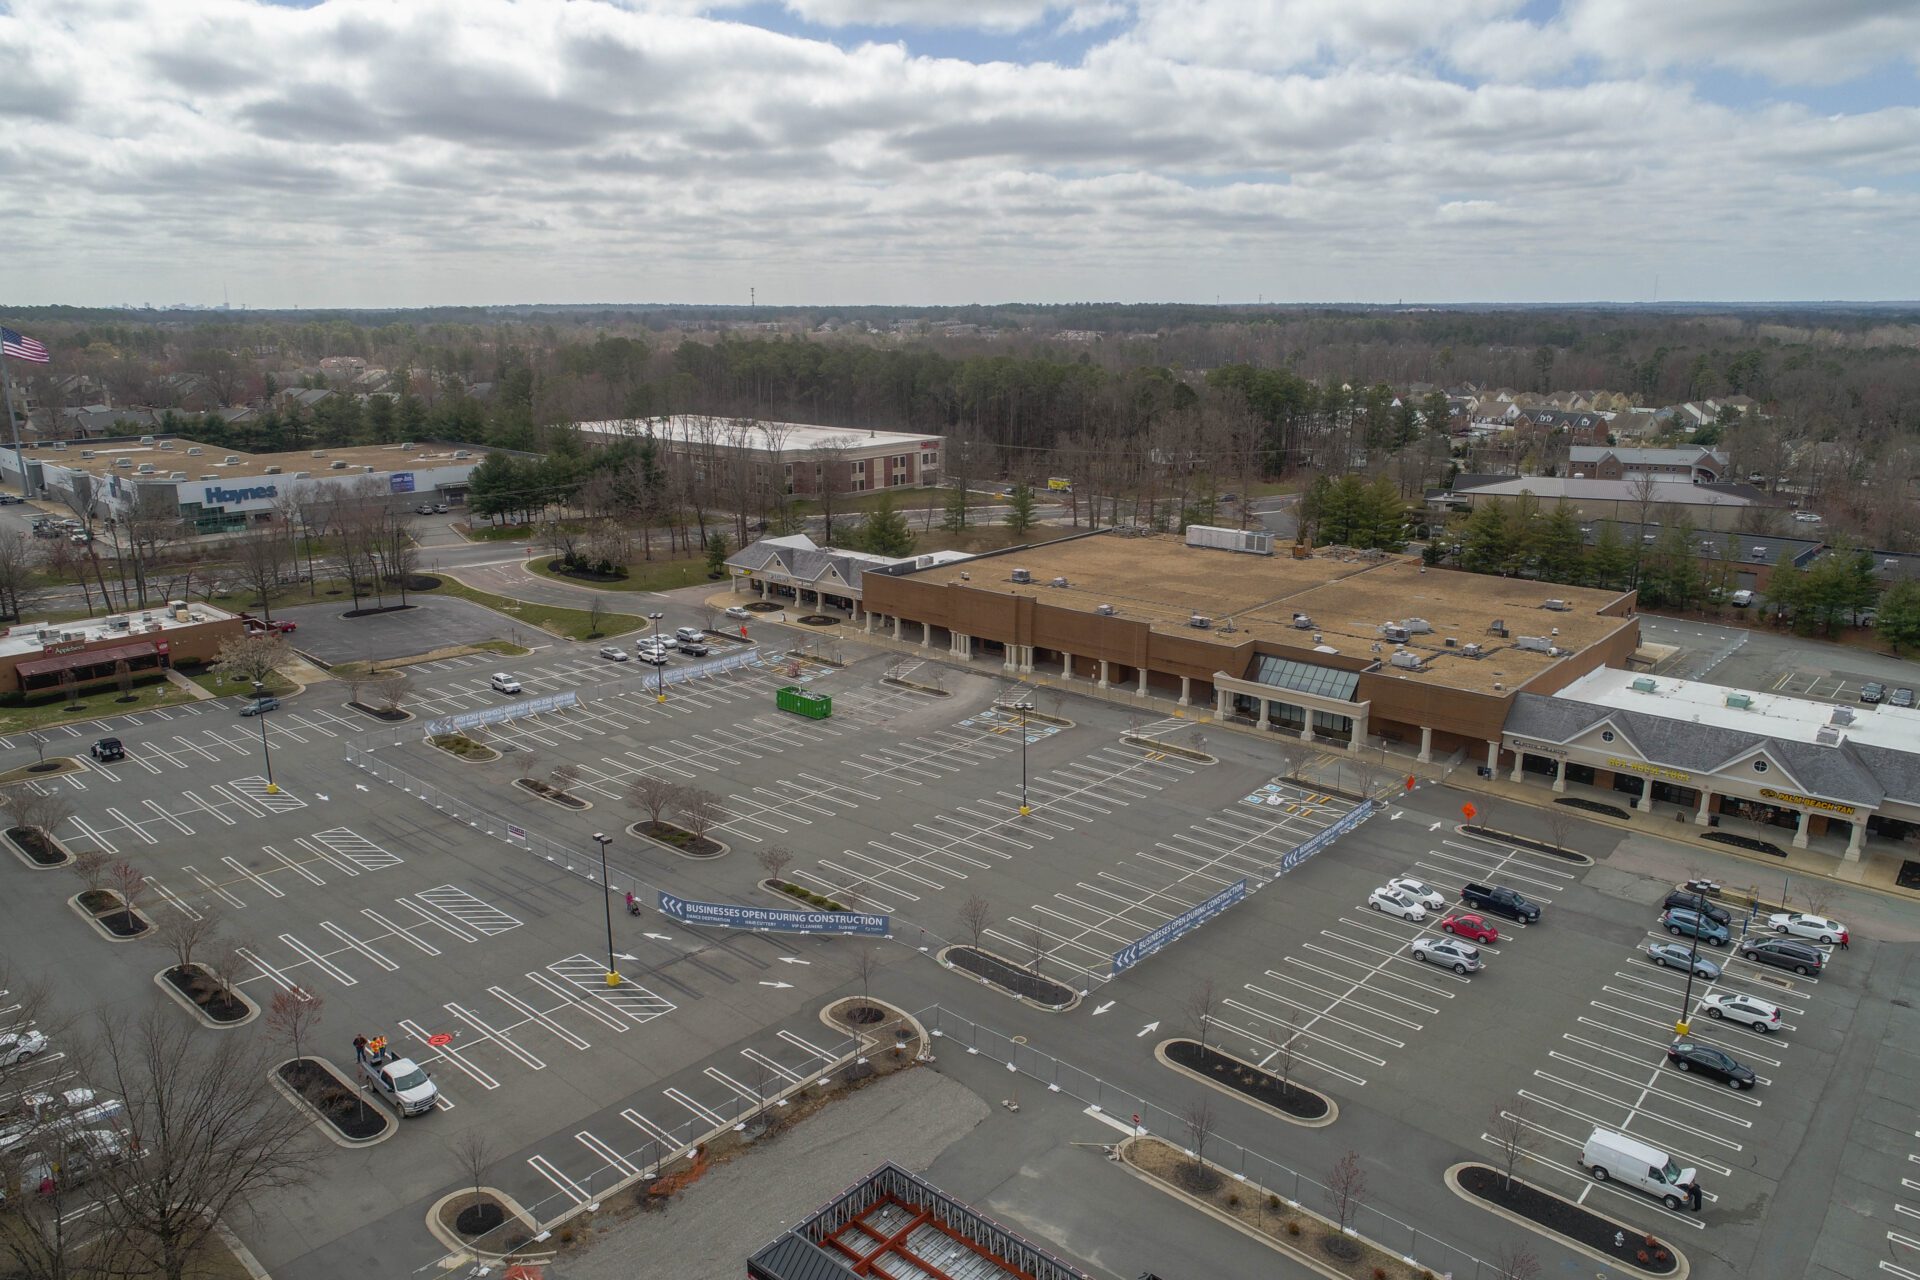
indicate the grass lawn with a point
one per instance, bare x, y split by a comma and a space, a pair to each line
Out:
221, 687
92, 706
642, 575
507, 647
500, 532
574, 624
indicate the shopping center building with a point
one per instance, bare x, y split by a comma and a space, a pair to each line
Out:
1330, 646
1760, 766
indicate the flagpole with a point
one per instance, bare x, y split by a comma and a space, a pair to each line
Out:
13, 425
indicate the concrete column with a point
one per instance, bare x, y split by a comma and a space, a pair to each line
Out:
1706, 806
1800, 831
733, 585
1010, 660
1026, 659
1103, 673
1355, 740
896, 626
926, 635
1493, 757
1141, 688
1560, 775
1222, 704
1264, 723
1519, 761
1645, 803
869, 624
1186, 691
1857, 841
1426, 745
1066, 668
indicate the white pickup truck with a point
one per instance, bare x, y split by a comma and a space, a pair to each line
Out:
401, 1082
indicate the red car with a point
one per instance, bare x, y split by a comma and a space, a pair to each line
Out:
1468, 925
257, 625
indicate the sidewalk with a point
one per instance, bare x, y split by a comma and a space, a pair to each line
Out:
1877, 869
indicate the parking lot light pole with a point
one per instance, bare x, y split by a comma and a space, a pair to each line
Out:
1684, 1023
259, 691
659, 668
1023, 708
606, 899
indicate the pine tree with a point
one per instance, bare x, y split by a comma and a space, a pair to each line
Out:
1609, 558
1560, 547
1488, 540
886, 532
717, 550
1898, 620
1020, 510
955, 520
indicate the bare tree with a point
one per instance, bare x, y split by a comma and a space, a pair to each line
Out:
1200, 1005
1559, 825
1199, 1120
596, 615
39, 741
19, 560
1512, 1135
252, 659
975, 914
213, 1133
1515, 1260
229, 956
91, 866
655, 795
473, 1152
866, 963
130, 883
183, 933
774, 859
1034, 945
1816, 893
698, 811
564, 777
260, 557
1280, 1061
36, 809
294, 1012
1346, 1189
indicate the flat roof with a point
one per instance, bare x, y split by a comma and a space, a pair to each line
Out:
1162, 581
27, 637
1773, 715
682, 428
1682, 493
211, 460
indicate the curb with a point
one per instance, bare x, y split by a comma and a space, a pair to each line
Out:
1333, 1108
241, 1254
725, 848
940, 957
1452, 1178
580, 807
313, 1115
26, 858
101, 929
180, 998
459, 1251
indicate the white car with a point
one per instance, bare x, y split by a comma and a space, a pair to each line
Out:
1749, 1011
1806, 517
737, 612
504, 683
1798, 924
1394, 903
1448, 953
690, 635
613, 653
17, 1046
1420, 891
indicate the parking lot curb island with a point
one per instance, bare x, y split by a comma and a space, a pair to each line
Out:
460, 1252
1681, 1269
1333, 1108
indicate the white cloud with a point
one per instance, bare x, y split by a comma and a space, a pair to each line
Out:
1279, 34
1787, 41
361, 153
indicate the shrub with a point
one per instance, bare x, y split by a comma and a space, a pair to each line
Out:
1273, 1201
1293, 1228
1233, 1199
1379, 1273
1641, 1256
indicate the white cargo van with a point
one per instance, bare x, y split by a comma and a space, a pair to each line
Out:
1611, 1156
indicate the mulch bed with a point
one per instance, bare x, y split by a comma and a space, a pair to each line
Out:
1009, 978
1595, 806
802, 894
34, 843
374, 611
1909, 875
1745, 842
817, 620
559, 567
1259, 1085
1528, 842
390, 714
201, 987
682, 840
1570, 1220
339, 1106
116, 919
762, 606
546, 792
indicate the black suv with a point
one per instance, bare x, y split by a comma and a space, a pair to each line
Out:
1696, 902
107, 750
1873, 691
1784, 953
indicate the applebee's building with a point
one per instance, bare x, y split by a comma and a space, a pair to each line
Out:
221, 490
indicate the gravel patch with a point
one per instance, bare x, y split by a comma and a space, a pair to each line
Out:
910, 1118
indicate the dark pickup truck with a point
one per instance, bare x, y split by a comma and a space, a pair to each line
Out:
1501, 901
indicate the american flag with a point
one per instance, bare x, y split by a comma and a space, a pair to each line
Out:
21, 347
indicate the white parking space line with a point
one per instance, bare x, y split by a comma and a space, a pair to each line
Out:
494, 1034
299, 869
703, 1113
173, 900
446, 1053
482, 917
320, 962
216, 890
398, 931
668, 1144
246, 872
531, 1014
572, 1000
617, 1162
428, 917
363, 948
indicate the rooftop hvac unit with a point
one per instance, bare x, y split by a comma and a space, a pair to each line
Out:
194, 451
1643, 684
211, 475
230, 460
146, 439
1759, 553
1739, 701
1497, 628
1301, 622
179, 615
406, 444
1406, 659
272, 471
1841, 715
301, 475
1558, 606
176, 475
1257, 542
1318, 638
1023, 575
164, 444
1452, 643
1199, 622
1418, 627
319, 453
1104, 610
1058, 582
146, 468
1393, 631
1826, 735
1470, 650
60, 444
123, 462
1533, 644
86, 453
463, 453
176, 605
366, 470
117, 623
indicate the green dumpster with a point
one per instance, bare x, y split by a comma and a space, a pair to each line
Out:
814, 706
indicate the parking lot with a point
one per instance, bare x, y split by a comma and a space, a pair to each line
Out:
406, 920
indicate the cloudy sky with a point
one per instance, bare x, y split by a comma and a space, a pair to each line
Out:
413, 152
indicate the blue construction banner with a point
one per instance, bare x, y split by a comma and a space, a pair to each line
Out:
1301, 852
727, 915
502, 713
1139, 949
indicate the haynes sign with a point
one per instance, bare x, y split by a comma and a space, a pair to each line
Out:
214, 495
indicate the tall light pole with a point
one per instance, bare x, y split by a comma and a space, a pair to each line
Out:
259, 691
660, 667
1699, 887
606, 900
1023, 708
